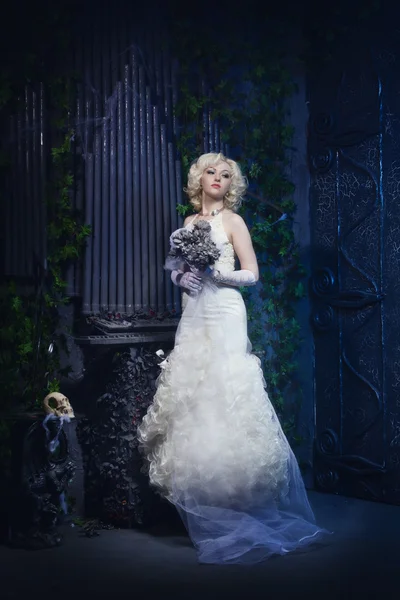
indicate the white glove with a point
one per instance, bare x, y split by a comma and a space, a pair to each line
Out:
235, 278
188, 281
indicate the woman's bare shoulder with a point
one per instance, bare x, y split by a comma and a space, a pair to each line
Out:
233, 220
188, 219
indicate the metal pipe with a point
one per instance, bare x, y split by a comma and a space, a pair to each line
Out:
97, 145
143, 192
158, 216
166, 210
112, 272
174, 212
137, 271
86, 133
151, 206
175, 95
120, 201
87, 280
128, 192
179, 199
104, 210
113, 182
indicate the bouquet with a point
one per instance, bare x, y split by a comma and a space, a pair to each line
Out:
194, 247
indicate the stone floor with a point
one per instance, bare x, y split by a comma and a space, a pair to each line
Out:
362, 558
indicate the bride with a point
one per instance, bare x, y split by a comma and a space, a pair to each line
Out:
212, 441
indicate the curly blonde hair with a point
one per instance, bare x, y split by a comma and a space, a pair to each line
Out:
237, 189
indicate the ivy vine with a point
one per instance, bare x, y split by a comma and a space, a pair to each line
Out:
244, 83
30, 337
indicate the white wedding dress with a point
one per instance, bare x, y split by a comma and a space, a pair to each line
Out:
212, 440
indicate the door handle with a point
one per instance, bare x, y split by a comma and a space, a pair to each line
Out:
325, 285
352, 298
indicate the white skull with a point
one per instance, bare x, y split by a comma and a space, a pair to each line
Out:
62, 406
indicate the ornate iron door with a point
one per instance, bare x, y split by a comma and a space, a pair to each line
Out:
354, 154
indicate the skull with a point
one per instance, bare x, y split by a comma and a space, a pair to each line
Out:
62, 406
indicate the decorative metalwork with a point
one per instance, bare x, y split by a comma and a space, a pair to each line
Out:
323, 282
323, 318
328, 442
355, 158
116, 490
322, 123
321, 160
327, 480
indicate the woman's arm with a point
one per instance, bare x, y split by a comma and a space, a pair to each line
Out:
239, 235
243, 245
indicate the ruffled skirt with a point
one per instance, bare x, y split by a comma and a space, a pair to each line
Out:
214, 446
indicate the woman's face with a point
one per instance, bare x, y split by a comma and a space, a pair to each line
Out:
216, 180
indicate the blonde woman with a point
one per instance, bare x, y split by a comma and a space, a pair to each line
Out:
213, 444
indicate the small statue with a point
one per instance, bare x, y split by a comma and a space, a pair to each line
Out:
47, 470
